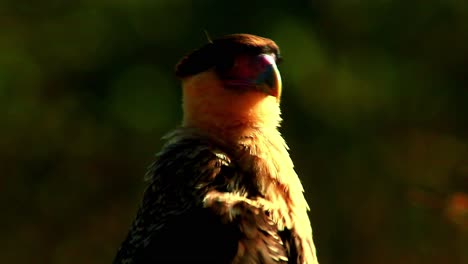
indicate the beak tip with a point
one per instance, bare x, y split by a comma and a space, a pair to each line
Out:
270, 81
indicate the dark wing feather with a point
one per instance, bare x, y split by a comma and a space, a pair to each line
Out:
176, 224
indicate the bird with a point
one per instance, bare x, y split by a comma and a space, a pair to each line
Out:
223, 188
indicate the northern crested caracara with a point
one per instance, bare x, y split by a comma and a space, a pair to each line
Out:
223, 188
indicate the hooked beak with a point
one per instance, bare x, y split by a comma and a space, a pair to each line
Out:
268, 79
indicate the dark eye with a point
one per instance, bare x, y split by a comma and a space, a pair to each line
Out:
225, 64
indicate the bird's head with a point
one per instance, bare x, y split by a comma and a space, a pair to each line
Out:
232, 82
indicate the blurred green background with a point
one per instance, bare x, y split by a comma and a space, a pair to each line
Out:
375, 111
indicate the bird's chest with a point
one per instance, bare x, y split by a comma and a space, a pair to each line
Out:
250, 185
249, 201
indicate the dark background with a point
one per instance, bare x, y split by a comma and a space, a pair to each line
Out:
375, 109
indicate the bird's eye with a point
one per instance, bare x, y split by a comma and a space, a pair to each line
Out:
225, 64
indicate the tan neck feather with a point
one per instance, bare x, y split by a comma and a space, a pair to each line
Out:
226, 113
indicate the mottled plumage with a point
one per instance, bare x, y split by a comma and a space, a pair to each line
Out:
223, 188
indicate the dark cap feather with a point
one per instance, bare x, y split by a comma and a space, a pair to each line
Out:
220, 50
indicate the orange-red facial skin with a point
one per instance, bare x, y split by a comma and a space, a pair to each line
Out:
253, 72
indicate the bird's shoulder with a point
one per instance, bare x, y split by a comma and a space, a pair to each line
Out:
172, 205
188, 162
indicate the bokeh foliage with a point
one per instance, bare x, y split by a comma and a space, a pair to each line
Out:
375, 111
